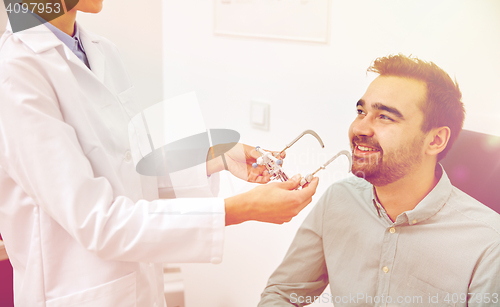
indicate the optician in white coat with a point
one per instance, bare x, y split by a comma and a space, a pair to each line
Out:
81, 227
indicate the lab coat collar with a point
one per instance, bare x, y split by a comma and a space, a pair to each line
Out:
40, 39
94, 52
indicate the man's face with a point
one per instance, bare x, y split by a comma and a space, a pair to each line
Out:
386, 136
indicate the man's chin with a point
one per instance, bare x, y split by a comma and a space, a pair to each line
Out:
371, 177
365, 166
361, 172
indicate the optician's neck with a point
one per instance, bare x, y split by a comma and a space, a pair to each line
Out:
66, 22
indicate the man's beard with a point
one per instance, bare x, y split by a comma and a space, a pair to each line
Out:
389, 167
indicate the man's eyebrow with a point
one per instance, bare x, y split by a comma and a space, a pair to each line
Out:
380, 106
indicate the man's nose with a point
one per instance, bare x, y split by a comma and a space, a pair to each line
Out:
363, 127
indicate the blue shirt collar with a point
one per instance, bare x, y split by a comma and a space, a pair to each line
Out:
69, 41
428, 207
73, 43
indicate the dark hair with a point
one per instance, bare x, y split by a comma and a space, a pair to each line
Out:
443, 105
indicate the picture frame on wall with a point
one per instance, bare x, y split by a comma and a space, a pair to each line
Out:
298, 20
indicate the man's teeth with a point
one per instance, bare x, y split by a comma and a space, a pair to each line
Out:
363, 148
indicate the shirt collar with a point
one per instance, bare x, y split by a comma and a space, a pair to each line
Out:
69, 41
425, 209
76, 36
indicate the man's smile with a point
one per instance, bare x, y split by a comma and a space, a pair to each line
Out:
364, 150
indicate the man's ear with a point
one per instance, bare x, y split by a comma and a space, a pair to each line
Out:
437, 140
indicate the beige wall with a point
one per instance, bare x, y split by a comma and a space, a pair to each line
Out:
136, 28
3, 18
137, 31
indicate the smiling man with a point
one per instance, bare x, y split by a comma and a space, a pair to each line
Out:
397, 234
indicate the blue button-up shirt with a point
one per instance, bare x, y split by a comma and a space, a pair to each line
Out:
444, 252
74, 42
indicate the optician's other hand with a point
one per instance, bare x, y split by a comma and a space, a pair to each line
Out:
238, 159
277, 202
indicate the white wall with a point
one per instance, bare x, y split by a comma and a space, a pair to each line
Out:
136, 29
314, 86
138, 34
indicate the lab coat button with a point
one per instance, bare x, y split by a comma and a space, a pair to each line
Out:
128, 156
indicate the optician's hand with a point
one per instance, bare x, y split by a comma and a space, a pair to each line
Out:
238, 159
277, 202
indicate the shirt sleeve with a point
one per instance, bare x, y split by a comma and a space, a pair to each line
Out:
302, 275
42, 154
484, 288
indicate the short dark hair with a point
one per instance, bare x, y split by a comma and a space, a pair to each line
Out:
443, 105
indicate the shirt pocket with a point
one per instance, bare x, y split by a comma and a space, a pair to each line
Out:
431, 295
120, 292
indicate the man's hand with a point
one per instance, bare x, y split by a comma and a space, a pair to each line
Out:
277, 202
238, 159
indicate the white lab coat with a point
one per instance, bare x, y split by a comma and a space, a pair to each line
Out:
81, 227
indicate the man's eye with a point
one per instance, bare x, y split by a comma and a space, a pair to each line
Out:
360, 112
382, 116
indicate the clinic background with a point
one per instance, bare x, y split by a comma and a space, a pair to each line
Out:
170, 48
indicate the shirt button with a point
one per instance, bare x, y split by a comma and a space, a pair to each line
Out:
128, 156
385, 269
413, 222
392, 230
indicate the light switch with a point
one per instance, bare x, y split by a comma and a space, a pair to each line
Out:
258, 112
259, 115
